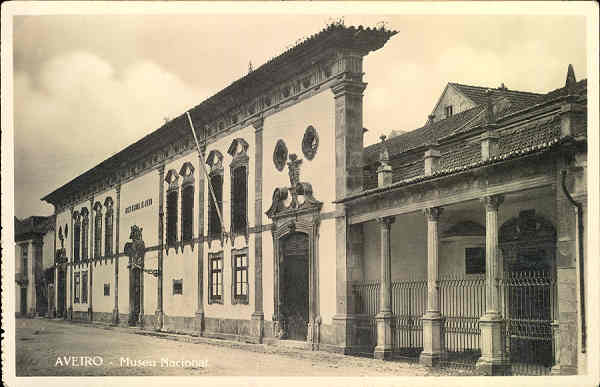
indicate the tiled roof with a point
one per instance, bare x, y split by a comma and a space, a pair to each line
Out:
458, 156
477, 94
242, 90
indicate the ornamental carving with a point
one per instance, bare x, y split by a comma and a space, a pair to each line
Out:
280, 155
301, 193
310, 142
172, 178
136, 249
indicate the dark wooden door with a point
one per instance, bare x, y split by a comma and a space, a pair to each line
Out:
295, 308
23, 301
62, 294
134, 295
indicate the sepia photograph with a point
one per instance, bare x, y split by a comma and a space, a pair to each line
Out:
226, 192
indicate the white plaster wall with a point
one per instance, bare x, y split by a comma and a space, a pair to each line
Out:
48, 250
290, 125
268, 272
452, 97
137, 190
123, 285
180, 266
327, 270
103, 273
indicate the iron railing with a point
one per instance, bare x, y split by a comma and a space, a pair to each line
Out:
462, 302
529, 306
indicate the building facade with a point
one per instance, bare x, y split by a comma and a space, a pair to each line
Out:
34, 266
305, 235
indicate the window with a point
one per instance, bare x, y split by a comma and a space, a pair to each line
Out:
214, 223
240, 277
24, 253
177, 286
84, 287
187, 212
171, 218
239, 201
239, 188
108, 232
448, 111
85, 224
98, 233
76, 285
215, 279
76, 240
475, 260
107, 289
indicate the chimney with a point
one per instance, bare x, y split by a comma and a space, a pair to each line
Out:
432, 156
384, 171
489, 144
430, 119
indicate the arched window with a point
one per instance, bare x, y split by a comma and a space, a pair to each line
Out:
172, 190
215, 228
76, 236
97, 230
85, 227
187, 202
239, 188
108, 227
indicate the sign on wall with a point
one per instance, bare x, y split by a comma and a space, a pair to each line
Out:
137, 206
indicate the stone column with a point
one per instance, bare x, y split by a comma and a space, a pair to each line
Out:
383, 350
140, 322
116, 214
159, 314
348, 95
199, 321
493, 360
31, 284
258, 317
433, 322
92, 233
69, 314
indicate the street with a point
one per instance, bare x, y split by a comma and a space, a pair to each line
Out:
59, 348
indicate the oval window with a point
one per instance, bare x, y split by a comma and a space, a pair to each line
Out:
310, 142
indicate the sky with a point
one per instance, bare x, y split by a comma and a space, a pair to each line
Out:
85, 87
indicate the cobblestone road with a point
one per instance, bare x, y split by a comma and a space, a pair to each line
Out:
40, 343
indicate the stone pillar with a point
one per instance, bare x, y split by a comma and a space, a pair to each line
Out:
91, 238
140, 322
31, 284
566, 277
383, 350
433, 322
69, 314
348, 94
493, 359
258, 317
199, 320
489, 143
158, 314
116, 214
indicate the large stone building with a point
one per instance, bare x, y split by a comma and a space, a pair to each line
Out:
460, 242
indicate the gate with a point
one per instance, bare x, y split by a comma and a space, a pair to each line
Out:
462, 301
529, 304
409, 302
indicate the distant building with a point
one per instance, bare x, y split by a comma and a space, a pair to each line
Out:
455, 242
34, 266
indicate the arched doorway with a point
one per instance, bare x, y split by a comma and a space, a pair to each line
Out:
528, 244
294, 282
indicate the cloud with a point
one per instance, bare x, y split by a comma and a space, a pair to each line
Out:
77, 110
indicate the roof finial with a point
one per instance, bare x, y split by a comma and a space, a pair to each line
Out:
571, 80
430, 119
384, 155
250, 68
491, 116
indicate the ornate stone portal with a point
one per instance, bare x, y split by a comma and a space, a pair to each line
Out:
295, 215
136, 250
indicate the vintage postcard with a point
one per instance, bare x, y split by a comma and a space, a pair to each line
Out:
261, 193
